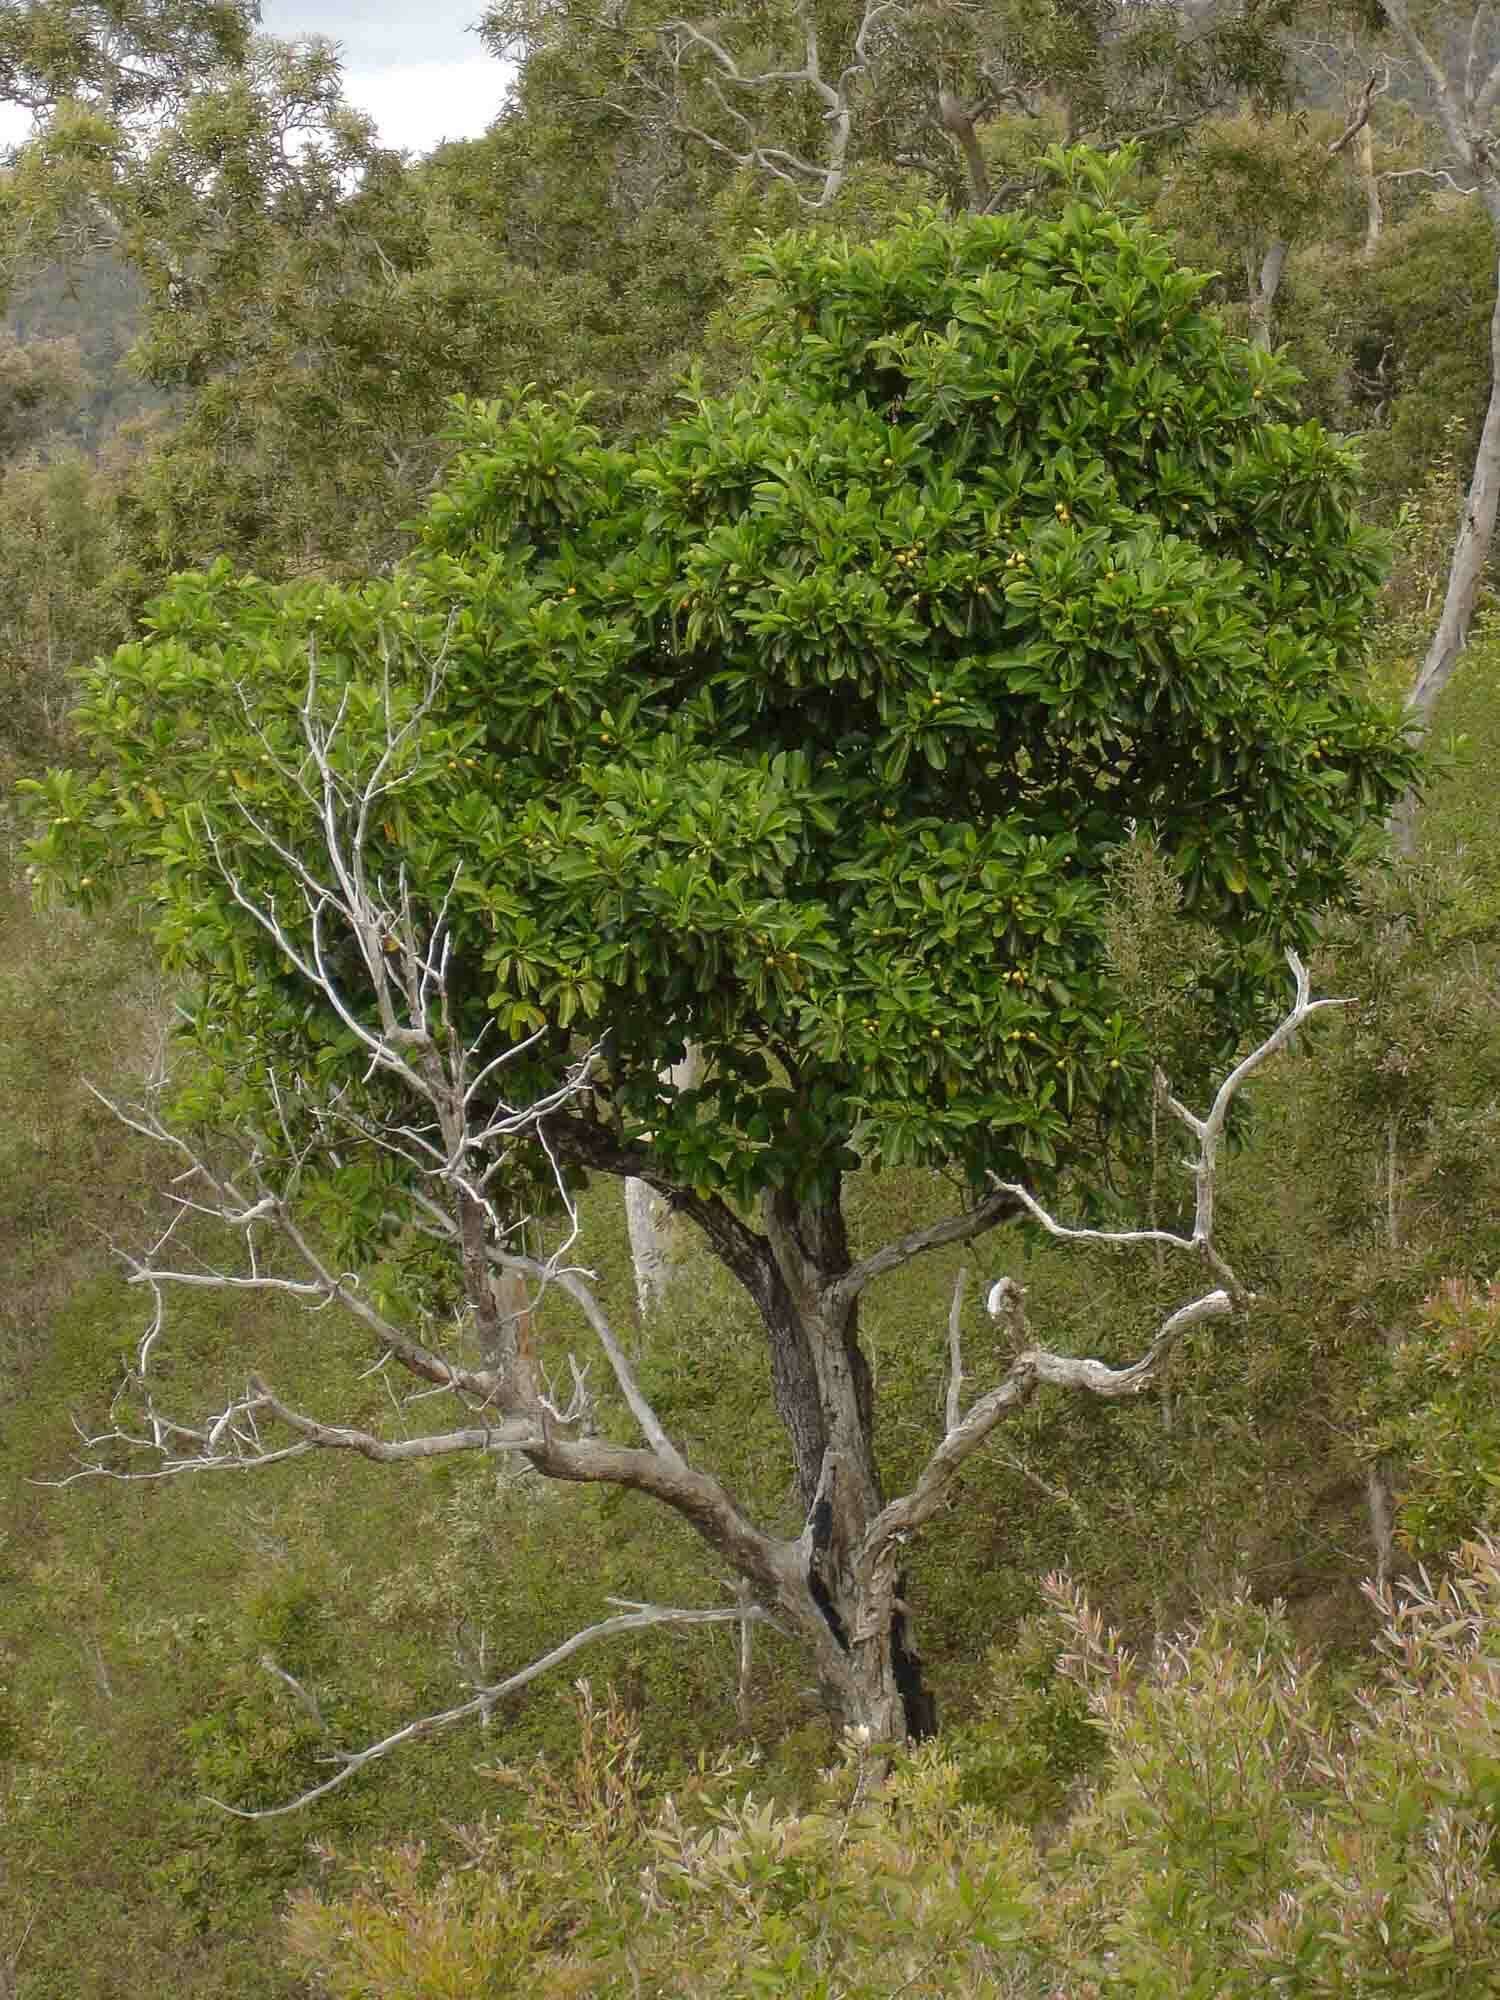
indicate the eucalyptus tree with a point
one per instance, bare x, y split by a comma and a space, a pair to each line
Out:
123, 57
802, 732
1455, 51
311, 306
96, 75
800, 95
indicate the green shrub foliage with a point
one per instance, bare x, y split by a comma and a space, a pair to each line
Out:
1252, 1832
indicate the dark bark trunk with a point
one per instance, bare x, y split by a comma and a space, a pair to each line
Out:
883, 1688
823, 1390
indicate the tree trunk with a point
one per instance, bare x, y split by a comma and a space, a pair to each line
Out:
1264, 285
958, 120
648, 1220
1475, 533
648, 1224
825, 1397
1369, 180
1465, 121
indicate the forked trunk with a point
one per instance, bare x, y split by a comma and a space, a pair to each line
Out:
871, 1674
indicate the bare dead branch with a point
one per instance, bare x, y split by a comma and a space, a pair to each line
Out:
1438, 174
1034, 1365
999, 1206
1209, 1132
637, 1618
304, 1696
509, 1434
1373, 88
815, 183
953, 1402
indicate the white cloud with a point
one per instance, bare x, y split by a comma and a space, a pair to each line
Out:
419, 104
416, 105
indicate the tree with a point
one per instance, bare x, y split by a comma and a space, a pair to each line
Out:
56, 606
1464, 91
1254, 188
311, 307
95, 74
803, 733
120, 56
802, 95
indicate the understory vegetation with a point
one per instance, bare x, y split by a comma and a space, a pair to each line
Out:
1215, 1664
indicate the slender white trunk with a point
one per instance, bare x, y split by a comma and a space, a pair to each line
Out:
1475, 532
1463, 104
1264, 285
1369, 180
647, 1217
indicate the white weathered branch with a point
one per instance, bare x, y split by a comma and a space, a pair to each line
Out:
997, 1207
636, 1618
506, 1434
1374, 88
953, 1401
815, 183
1209, 1133
231, 1441
1034, 1365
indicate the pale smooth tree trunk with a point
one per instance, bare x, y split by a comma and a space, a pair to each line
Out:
1369, 181
1476, 530
1464, 99
1265, 283
648, 1219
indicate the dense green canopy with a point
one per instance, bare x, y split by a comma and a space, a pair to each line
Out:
804, 731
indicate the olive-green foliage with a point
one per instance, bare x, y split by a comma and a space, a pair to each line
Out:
130, 57
312, 314
1094, 70
1413, 327
1249, 1835
1029, 1748
1247, 1831
59, 606
1438, 1412
62, 1157
94, 304
603, 1885
1390, 1132
38, 382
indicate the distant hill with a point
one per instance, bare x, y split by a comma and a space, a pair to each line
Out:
97, 304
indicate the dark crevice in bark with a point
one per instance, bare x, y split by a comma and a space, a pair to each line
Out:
918, 1703
823, 1389
794, 1387
821, 1535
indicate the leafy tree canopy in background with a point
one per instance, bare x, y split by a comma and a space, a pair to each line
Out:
122, 56
803, 731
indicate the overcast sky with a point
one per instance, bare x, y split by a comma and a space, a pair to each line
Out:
416, 68
414, 65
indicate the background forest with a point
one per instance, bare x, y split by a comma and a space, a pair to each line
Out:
1186, 1744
